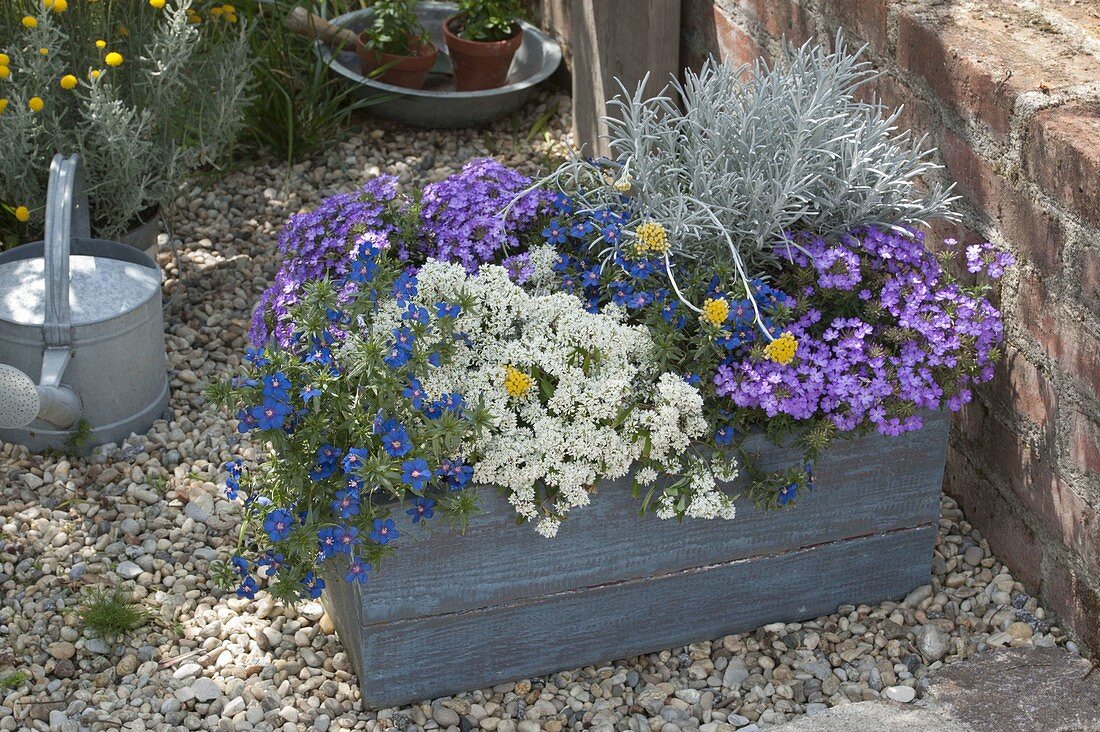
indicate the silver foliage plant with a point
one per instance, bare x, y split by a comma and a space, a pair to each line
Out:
142, 128
734, 159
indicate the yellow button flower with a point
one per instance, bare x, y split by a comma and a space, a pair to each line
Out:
158, 4
29, 22
68, 81
716, 310
57, 6
782, 349
101, 44
516, 383
36, 104
94, 74
3, 105
5, 72
114, 58
4, 59
652, 238
22, 213
43, 50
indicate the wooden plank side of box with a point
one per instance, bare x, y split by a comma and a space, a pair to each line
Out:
423, 658
868, 485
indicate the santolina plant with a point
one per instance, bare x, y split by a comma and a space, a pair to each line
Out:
490, 333
145, 92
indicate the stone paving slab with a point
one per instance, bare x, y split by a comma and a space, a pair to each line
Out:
1023, 689
876, 716
1003, 690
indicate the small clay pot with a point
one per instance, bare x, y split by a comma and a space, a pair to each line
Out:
407, 71
480, 64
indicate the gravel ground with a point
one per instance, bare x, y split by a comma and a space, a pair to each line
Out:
147, 516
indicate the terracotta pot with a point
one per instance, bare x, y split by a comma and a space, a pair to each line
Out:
480, 64
407, 71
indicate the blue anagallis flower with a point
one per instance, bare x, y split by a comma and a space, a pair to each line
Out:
435, 358
326, 541
235, 467
724, 435
610, 234
346, 538
414, 392
396, 441
422, 508
416, 314
692, 379
362, 270
327, 460
581, 229
357, 571
354, 459
447, 310
404, 287
591, 277
383, 531
313, 584
240, 565
232, 486
270, 415
554, 233
248, 588
276, 386
562, 203
787, 494
346, 503
319, 354
456, 473
278, 524
415, 473
309, 393
353, 484
256, 357
272, 561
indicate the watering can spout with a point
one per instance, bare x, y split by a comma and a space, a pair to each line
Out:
22, 401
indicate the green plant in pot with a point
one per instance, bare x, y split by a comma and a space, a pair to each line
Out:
394, 48
482, 38
146, 93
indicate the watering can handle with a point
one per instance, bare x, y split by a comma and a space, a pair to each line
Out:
66, 218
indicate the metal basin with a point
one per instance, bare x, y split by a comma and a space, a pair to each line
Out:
438, 105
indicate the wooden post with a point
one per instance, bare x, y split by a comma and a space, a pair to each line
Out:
621, 39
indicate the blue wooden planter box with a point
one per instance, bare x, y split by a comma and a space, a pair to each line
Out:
453, 612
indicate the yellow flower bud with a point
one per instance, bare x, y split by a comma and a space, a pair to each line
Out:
101, 44
22, 213
158, 4
43, 50
716, 310
516, 383
3, 105
5, 72
36, 104
94, 74
114, 58
29, 22
4, 59
57, 6
68, 81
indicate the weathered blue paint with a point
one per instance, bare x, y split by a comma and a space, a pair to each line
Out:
453, 612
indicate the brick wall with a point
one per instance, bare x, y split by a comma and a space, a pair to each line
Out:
1009, 92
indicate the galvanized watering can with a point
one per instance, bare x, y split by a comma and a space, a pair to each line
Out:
85, 316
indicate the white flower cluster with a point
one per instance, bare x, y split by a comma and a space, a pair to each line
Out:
571, 395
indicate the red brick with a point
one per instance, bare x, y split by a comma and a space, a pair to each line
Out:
1011, 539
734, 45
1035, 305
779, 18
1031, 229
1075, 597
915, 114
864, 20
1020, 383
1089, 267
1083, 444
1063, 156
1076, 349
979, 63
974, 176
